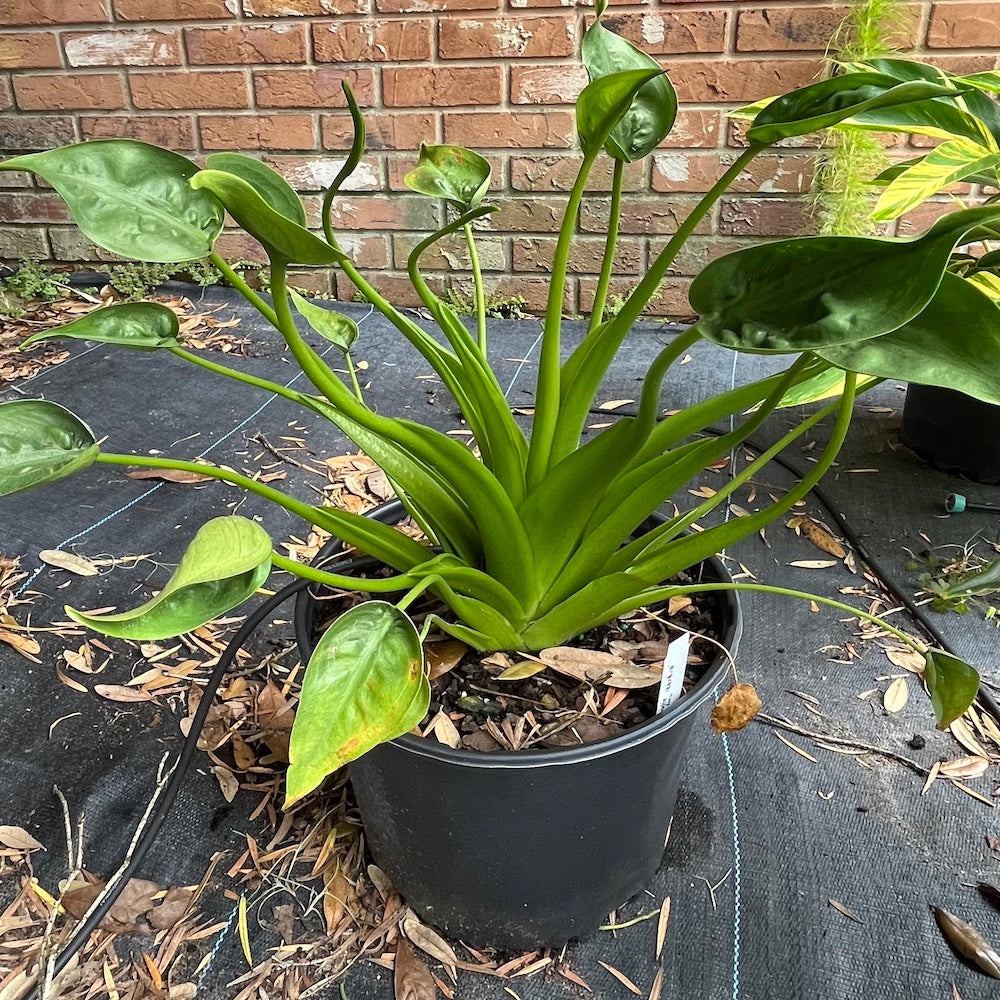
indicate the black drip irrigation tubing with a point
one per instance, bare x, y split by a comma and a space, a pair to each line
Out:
165, 801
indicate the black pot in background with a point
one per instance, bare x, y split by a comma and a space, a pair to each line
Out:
527, 849
953, 432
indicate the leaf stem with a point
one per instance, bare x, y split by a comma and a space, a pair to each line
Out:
477, 278
239, 283
611, 243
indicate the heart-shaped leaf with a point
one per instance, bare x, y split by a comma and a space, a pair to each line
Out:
365, 684
142, 325
130, 198
952, 683
603, 103
41, 442
455, 173
333, 326
817, 292
653, 110
944, 345
830, 102
268, 183
227, 560
285, 241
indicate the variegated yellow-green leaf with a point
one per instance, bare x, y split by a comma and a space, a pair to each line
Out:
365, 684
952, 161
227, 560
988, 283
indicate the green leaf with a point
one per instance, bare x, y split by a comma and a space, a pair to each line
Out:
365, 684
827, 384
268, 183
987, 177
454, 173
227, 560
41, 442
988, 283
988, 81
954, 160
830, 102
818, 292
285, 241
130, 198
944, 345
652, 112
333, 326
604, 102
952, 683
142, 325
985, 581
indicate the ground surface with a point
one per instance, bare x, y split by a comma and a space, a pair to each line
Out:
781, 836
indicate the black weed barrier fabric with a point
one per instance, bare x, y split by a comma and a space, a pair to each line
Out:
778, 836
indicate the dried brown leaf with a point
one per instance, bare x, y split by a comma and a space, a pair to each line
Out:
227, 782
428, 940
661, 927
18, 839
657, 988
845, 910
119, 692
990, 893
621, 977
412, 980
598, 667
24, 644
964, 767
170, 475
736, 708
908, 659
68, 561
962, 732
897, 694
818, 535
443, 656
813, 563
968, 942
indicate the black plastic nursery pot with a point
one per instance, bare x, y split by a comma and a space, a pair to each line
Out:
953, 432
532, 848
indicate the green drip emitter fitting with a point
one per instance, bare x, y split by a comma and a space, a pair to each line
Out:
955, 503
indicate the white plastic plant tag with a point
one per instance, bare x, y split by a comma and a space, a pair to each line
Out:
674, 665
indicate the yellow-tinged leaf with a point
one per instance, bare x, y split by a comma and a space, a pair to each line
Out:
244, 930
897, 694
523, 668
661, 927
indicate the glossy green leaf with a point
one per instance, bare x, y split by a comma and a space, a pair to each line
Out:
944, 345
285, 241
603, 103
226, 562
988, 283
130, 198
41, 442
824, 385
365, 684
652, 112
454, 173
829, 102
954, 160
813, 292
268, 183
985, 581
333, 326
142, 325
952, 683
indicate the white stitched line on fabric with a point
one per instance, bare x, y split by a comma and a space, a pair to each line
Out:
121, 510
522, 363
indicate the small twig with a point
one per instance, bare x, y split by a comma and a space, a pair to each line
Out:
259, 438
769, 720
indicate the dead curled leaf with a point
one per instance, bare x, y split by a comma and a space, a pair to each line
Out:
597, 667
428, 940
412, 980
735, 708
817, 534
968, 942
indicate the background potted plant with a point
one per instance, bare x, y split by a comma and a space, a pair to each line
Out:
539, 537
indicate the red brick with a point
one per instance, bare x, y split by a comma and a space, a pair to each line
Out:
395, 287
407, 39
528, 215
256, 131
383, 131
33, 207
441, 86
670, 300
533, 291
964, 25
426, 6
514, 129
64, 92
313, 280
234, 245
452, 253
172, 10
742, 80
362, 212
6, 94
780, 29
29, 50
25, 133
697, 172
15, 179
317, 173
237, 44
299, 8
923, 217
151, 47
667, 33
17, 242
558, 173
546, 84
172, 131
650, 216
312, 88
694, 129
61, 12
586, 255
764, 217
468, 38
193, 89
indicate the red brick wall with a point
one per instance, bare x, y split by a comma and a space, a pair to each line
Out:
263, 76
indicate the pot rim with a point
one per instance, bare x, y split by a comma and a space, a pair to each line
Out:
684, 706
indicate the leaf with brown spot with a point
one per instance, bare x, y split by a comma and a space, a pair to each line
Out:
735, 708
968, 942
411, 979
